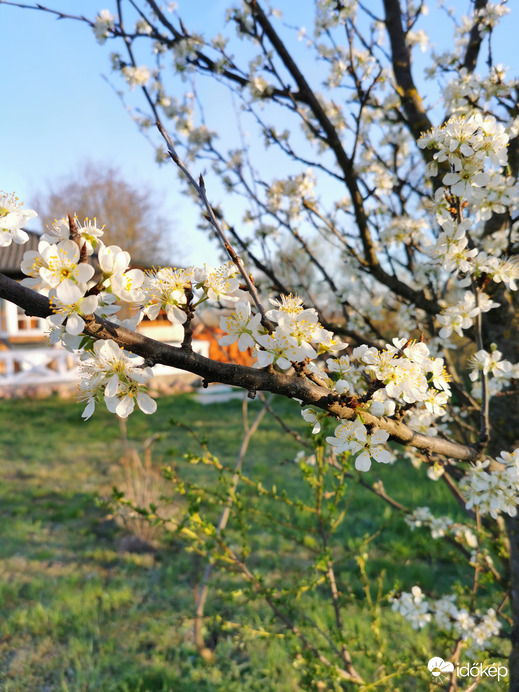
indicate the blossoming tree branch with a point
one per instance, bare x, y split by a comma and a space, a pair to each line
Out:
392, 318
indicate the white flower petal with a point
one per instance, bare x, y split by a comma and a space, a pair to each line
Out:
75, 324
125, 406
68, 292
112, 387
146, 403
363, 462
89, 409
84, 272
379, 436
111, 403
381, 455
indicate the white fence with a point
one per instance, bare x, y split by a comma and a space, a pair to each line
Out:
33, 366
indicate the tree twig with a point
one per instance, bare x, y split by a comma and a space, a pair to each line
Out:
222, 523
199, 187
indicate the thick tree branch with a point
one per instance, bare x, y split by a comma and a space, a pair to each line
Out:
251, 379
475, 39
416, 117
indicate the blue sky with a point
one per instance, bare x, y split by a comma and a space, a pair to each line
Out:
57, 109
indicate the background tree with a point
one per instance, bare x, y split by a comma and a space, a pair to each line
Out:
136, 222
421, 221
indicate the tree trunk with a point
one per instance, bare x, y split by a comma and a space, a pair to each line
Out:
502, 329
513, 663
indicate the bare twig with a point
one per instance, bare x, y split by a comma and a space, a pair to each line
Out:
222, 523
351, 676
199, 187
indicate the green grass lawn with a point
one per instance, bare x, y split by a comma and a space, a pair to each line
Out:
82, 609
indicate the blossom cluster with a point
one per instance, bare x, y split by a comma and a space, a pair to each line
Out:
445, 526
453, 251
466, 88
409, 375
167, 289
352, 436
286, 195
422, 516
489, 15
474, 148
461, 315
405, 370
475, 630
118, 377
136, 76
493, 492
492, 363
62, 269
103, 24
297, 337
404, 373
12, 219
468, 145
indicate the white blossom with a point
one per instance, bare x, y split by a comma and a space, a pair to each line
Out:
240, 326
111, 373
12, 219
492, 492
413, 607
103, 23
